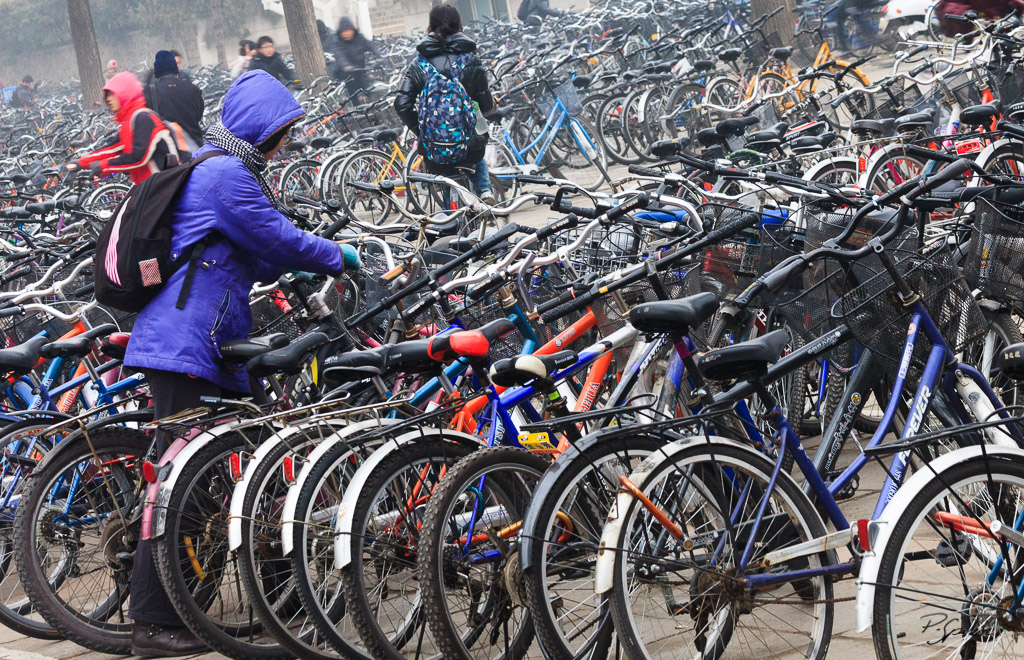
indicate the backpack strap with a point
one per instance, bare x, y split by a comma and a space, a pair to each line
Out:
199, 246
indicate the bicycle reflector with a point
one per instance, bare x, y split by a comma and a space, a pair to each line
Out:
863, 537
149, 472
288, 466
236, 467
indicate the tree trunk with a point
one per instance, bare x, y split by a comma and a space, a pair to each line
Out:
87, 53
305, 43
781, 23
189, 35
217, 11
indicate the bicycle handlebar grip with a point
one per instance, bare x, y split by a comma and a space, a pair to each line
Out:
335, 227
83, 249
567, 308
919, 49
487, 287
497, 237
645, 171
305, 201
15, 274
944, 175
568, 222
41, 208
13, 311
541, 180
562, 299
640, 201
919, 69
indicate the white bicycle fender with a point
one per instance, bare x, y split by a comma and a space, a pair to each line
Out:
810, 174
875, 157
974, 179
604, 570
343, 521
238, 494
882, 528
163, 496
291, 500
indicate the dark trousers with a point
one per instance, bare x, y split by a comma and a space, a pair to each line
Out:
858, 8
172, 393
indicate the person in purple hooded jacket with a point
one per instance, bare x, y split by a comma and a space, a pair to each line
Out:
229, 203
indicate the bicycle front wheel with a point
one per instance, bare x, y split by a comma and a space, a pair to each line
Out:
680, 596
581, 153
937, 593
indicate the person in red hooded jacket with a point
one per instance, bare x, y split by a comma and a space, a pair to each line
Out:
144, 145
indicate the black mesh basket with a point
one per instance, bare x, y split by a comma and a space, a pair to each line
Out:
962, 87
995, 262
731, 265
884, 104
879, 321
489, 308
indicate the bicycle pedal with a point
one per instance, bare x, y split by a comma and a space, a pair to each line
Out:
946, 555
849, 490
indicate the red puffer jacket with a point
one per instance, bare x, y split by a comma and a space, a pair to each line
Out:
143, 145
990, 9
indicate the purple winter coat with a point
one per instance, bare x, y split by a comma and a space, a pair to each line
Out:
256, 244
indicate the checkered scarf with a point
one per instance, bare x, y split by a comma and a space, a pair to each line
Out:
254, 161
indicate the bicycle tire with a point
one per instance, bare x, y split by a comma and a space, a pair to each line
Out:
509, 471
702, 465
17, 615
896, 568
260, 537
542, 523
93, 630
368, 166
193, 561
380, 643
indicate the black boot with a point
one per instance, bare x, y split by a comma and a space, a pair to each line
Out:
149, 641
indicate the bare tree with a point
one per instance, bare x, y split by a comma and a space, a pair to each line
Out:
87, 52
305, 43
217, 13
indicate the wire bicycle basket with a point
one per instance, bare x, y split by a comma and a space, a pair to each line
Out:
879, 320
995, 261
566, 93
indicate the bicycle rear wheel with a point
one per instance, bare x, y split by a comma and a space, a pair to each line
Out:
468, 555
75, 532
381, 584
198, 571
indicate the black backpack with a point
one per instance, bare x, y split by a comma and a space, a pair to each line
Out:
524, 10
133, 252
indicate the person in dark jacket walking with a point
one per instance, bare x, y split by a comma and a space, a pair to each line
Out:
443, 44
178, 102
24, 95
268, 59
229, 198
350, 56
539, 8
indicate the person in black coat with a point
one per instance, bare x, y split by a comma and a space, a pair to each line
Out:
538, 8
443, 44
351, 49
24, 95
268, 59
176, 101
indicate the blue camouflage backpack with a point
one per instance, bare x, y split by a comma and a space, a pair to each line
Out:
447, 119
